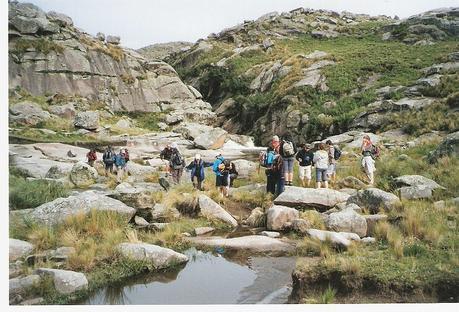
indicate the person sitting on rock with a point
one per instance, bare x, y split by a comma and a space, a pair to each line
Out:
92, 157
121, 168
369, 152
197, 171
109, 159
221, 175
321, 163
176, 164
166, 154
305, 157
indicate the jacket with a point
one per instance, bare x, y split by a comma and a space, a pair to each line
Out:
321, 159
304, 157
120, 161
197, 169
166, 154
216, 164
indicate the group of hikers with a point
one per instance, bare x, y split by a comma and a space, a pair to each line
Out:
111, 159
278, 160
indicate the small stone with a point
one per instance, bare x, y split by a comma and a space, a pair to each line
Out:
439, 204
203, 230
140, 221
368, 240
271, 234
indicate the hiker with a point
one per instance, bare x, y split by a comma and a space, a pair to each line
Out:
126, 155
120, 163
305, 157
221, 175
275, 143
333, 155
233, 174
92, 157
287, 150
109, 159
278, 174
166, 154
197, 171
369, 152
321, 163
266, 160
176, 164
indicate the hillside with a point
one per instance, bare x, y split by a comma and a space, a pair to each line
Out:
159, 51
318, 73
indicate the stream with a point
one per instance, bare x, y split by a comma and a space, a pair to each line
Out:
208, 278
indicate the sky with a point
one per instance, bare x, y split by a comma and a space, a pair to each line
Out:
143, 22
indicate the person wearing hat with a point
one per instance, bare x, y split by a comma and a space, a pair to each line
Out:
176, 164
166, 154
197, 171
304, 158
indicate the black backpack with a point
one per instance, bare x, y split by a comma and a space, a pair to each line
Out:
337, 153
108, 157
176, 160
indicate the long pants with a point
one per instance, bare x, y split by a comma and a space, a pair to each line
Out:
109, 168
280, 187
177, 175
270, 183
121, 171
197, 183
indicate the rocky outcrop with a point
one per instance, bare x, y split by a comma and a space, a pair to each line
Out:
20, 285
60, 209
449, 147
160, 51
280, 217
374, 199
18, 249
134, 196
65, 282
61, 59
83, 175
213, 139
252, 243
159, 257
212, 210
28, 114
321, 199
87, 120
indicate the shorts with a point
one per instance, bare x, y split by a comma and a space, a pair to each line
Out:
321, 175
221, 180
331, 169
288, 165
305, 172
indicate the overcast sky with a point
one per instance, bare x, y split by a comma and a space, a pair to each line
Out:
143, 22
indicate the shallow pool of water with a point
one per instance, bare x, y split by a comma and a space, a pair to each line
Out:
206, 279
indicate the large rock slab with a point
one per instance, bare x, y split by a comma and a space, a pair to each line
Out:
415, 192
335, 238
375, 200
20, 285
160, 212
321, 199
61, 208
347, 221
212, 210
213, 139
28, 113
133, 196
65, 282
280, 217
19, 249
160, 257
83, 175
253, 243
245, 167
87, 120
417, 180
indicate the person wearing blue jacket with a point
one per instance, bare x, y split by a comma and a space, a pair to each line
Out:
270, 176
221, 175
120, 163
197, 171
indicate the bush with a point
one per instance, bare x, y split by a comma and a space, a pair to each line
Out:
29, 194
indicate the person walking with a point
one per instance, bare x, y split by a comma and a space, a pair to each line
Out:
333, 155
176, 164
197, 171
120, 163
221, 175
268, 163
109, 159
165, 155
287, 150
305, 157
278, 174
369, 152
233, 174
320, 161
92, 157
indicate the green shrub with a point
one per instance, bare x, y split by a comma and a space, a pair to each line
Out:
29, 194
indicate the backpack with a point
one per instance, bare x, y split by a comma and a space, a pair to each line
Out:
375, 151
337, 153
221, 167
108, 157
176, 160
288, 149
